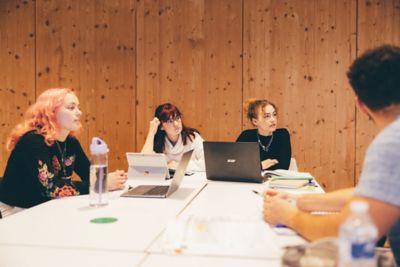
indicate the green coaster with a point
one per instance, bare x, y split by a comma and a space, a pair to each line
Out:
104, 220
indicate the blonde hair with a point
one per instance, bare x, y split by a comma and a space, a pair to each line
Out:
41, 117
253, 106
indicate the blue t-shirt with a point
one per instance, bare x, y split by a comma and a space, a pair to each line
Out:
380, 177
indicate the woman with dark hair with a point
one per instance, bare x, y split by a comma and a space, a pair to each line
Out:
274, 144
169, 135
45, 153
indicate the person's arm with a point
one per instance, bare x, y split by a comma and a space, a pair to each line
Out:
312, 227
197, 162
279, 211
285, 151
148, 146
333, 201
81, 167
115, 180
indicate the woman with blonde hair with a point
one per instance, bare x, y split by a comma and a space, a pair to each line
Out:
45, 153
275, 149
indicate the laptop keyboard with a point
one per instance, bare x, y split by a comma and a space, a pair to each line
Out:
158, 190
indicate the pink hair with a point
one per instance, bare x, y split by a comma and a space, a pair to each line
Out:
41, 117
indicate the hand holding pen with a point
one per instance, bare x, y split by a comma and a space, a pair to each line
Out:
274, 193
277, 209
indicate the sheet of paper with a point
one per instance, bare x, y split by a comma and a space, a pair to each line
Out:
226, 236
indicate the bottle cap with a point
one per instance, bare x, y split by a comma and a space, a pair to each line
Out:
359, 206
98, 146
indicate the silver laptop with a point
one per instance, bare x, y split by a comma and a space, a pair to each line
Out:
162, 191
233, 161
147, 165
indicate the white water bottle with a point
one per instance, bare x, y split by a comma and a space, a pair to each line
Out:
357, 238
98, 173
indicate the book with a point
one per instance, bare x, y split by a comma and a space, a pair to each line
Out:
285, 174
289, 183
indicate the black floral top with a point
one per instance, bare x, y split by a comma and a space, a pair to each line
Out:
280, 148
36, 172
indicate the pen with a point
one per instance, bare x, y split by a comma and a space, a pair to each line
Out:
257, 193
280, 226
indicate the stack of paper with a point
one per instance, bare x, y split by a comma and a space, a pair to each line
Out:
288, 179
288, 174
288, 183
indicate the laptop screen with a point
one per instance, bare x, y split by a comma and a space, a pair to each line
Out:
233, 161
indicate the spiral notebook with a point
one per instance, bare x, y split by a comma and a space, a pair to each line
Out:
288, 183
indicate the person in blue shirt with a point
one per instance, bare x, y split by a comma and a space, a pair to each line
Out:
375, 79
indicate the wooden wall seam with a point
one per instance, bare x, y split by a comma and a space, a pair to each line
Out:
207, 57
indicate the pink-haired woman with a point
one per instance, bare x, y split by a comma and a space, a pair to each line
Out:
45, 153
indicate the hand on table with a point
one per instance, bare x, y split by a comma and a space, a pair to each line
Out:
268, 163
278, 208
173, 164
116, 180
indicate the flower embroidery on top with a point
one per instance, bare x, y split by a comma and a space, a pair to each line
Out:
64, 191
69, 160
56, 165
44, 174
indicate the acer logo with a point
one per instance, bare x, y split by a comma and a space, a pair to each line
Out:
231, 160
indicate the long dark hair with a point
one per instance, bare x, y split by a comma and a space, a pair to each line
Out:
165, 112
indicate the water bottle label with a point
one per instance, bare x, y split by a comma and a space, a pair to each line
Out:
364, 250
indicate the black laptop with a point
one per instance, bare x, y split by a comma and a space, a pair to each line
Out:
233, 161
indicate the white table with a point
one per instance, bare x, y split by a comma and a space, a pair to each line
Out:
228, 200
66, 223
20, 256
62, 228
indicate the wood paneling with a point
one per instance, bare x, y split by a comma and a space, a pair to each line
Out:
296, 55
189, 53
124, 57
90, 46
378, 24
17, 66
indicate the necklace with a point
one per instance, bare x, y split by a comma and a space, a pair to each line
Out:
62, 154
265, 148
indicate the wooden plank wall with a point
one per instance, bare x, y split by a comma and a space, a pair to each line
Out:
90, 46
189, 54
17, 66
379, 22
296, 56
124, 57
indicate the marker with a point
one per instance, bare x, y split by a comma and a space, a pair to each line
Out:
257, 193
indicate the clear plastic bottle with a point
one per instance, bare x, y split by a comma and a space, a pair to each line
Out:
98, 173
357, 238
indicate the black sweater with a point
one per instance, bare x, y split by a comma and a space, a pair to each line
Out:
280, 148
35, 172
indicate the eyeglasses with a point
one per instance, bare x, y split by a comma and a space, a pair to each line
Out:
172, 120
268, 116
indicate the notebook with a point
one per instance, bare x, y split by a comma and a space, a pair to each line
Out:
147, 165
233, 161
162, 191
288, 183
289, 179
